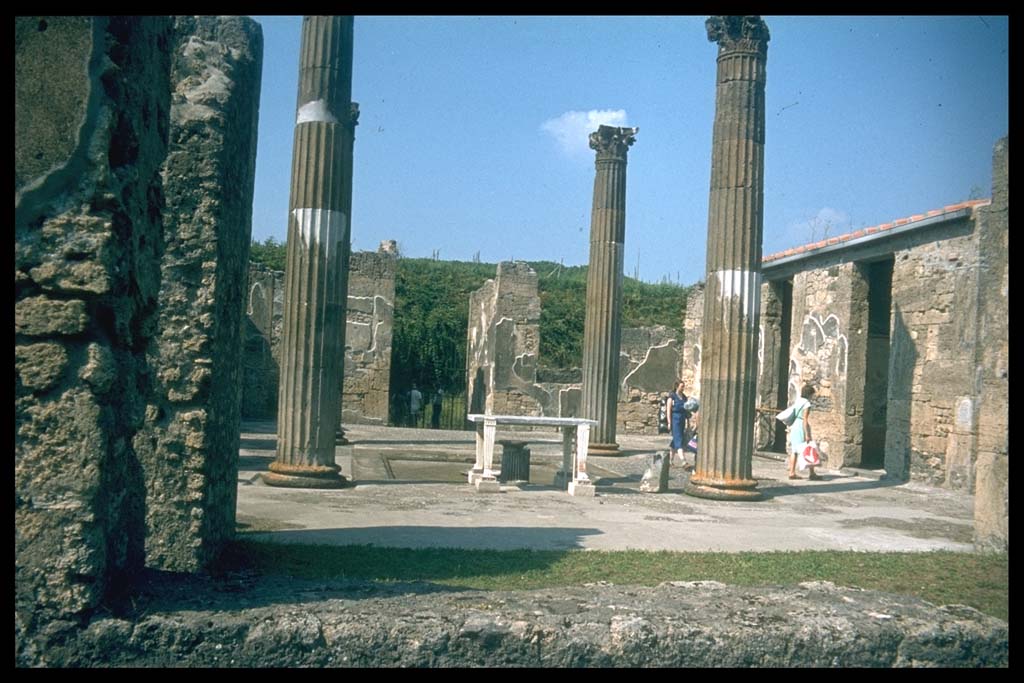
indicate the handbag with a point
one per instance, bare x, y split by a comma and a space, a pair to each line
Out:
787, 416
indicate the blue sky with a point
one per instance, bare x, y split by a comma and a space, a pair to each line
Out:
472, 134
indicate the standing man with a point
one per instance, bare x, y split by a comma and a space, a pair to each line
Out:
435, 409
415, 405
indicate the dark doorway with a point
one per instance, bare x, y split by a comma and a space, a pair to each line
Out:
784, 291
876, 379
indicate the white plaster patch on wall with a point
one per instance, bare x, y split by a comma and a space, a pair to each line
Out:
965, 413
793, 384
833, 341
315, 112
744, 285
322, 227
252, 295
647, 356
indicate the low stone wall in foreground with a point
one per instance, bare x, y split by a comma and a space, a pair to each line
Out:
190, 621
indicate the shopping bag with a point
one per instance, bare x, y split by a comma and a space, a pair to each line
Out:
691, 445
810, 456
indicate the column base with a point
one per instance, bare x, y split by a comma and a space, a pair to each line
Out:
305, 476
719, 489
581, 488
603, 449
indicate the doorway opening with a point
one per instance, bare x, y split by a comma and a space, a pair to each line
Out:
876, 379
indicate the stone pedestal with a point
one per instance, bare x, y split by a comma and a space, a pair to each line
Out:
515, 461
732, 294
316, 275
602, 329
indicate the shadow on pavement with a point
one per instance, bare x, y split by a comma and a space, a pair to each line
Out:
785, 488
436, 537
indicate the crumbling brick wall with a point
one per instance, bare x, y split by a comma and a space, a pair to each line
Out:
91, 124
503, 340
370, 324
824, 302
991, 412
264, 312
932, 364
693, 325
649, 363
370, 318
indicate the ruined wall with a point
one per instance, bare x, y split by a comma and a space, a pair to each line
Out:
135, 150
992, 473
261, 339
503, 339
770, 342
932, 364
649, 363
370, 316
92, 98
692, 326
189, 445
828, 307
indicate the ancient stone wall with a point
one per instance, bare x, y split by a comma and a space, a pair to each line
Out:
371, 312
932, 364
370, 316
189, 445
92, 97
501, 359
992, 472
649, 363
825, 300
692, 326
135, 149
503, 340
342, 623
264, 311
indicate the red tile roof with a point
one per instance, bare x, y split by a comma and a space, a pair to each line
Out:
862, 232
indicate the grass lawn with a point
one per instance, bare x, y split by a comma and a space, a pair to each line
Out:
941, 578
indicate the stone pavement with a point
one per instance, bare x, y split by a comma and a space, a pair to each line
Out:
409, 491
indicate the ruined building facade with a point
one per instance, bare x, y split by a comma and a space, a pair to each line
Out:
503, 344
902, 328
370, 324
135, 145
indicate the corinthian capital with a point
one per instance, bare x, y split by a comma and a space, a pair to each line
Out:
738, 33
612, 141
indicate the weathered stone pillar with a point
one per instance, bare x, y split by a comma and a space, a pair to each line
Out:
312, 344
603, 324
733, 291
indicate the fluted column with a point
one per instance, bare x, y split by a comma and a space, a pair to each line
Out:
733, 291
603, 327
316, 272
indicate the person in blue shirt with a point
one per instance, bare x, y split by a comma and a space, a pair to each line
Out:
678, 415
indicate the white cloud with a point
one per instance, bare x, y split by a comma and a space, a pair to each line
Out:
572, 129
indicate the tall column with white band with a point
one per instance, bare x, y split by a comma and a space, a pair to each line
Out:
316, 271
733, 292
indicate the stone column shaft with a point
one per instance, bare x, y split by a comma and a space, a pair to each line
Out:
603, 326
316, 276
733, 292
